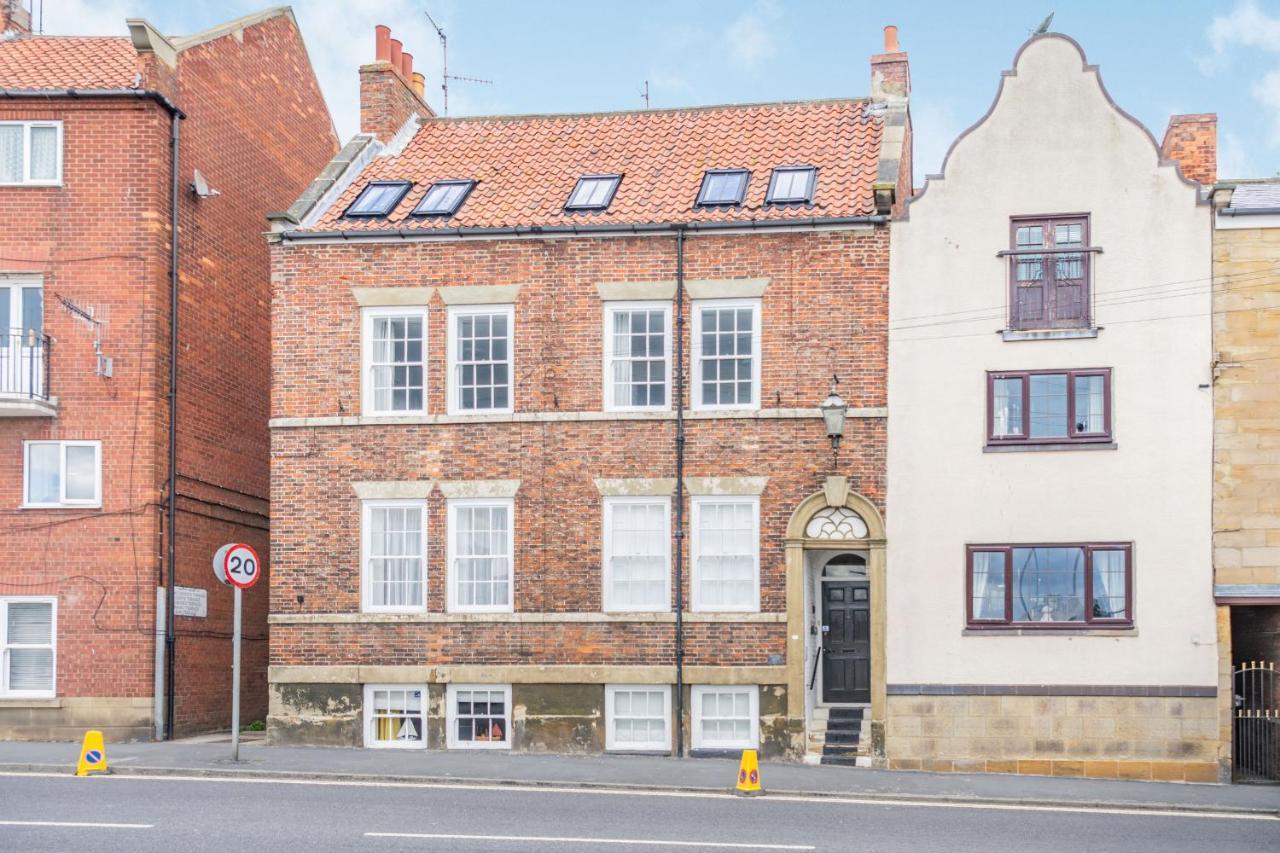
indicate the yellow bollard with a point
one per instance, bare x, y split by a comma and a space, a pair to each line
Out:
748, 775
93, 754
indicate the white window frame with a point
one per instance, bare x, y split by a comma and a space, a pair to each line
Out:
606, 554
92, 503
757, 334
699, 691
372, 742
26, 180
612, 308
453, 313
5, 601
696, 505
368, 395
610, 733
451, 576
366, 553
451, 717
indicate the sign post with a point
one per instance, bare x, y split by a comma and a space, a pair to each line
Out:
236, 565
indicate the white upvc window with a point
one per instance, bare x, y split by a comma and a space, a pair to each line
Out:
393, 556
395, 361
637, 554
726, 717
637, 356
481, 359
28, 646
481, 552
478, 716
725, 551
31, 153
395, 716
726, 354
637, 717
62, 474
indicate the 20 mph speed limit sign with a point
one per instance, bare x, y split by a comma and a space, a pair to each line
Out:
237, 564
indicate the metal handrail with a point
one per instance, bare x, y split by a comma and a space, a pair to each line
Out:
814, 677
24, 364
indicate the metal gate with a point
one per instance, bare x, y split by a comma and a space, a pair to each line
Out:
1256, 722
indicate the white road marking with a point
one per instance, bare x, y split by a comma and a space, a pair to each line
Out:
75, 824
637, 842
887, 801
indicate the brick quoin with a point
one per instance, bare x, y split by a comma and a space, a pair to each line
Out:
257, 129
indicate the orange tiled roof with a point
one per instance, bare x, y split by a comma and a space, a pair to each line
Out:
67, 62
526, 166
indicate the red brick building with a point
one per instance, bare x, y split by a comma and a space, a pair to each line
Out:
491, 526
89, 189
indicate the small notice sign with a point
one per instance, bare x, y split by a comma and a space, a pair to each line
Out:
190, 601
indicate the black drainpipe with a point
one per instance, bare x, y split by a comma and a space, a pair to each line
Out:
679, 537
170, 635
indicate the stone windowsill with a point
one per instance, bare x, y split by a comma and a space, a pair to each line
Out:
1049, 334
1042, 448
54, 702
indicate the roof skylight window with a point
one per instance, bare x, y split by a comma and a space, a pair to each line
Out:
593, 192
792, 185
723, 186
444, 198
378, 199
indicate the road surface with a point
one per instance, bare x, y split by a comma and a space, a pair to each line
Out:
40, 812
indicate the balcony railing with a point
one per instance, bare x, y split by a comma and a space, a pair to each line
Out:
24, 370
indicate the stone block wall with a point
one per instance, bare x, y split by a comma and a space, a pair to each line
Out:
1162, 738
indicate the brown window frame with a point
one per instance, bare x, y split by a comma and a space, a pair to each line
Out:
1089, 623
1072, 436
1050, 319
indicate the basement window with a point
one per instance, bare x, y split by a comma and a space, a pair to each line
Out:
723, 187
792, 185
378, 198
593, 192
28, 646
394, 717
479, 716
726, 717
638, 717
444, 198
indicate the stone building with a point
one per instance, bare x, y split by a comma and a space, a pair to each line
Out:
1050, 439
104, 142
1246, 455
549, 467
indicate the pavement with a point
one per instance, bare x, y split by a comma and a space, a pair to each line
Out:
210, 756
161, 814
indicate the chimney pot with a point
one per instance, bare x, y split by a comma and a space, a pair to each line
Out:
891, 39
382, 43
396, 48
420, 85
406, 65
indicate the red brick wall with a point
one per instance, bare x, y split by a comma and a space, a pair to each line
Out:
1192, 142
823, 312
387, 100
258, 130
99, 241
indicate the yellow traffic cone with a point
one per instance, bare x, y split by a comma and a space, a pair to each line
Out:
93, 754
748, 775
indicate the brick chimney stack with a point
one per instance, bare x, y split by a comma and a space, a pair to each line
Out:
390, 90
890, 74
1191, 141
15, 19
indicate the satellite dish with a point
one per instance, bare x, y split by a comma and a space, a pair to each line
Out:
201, 187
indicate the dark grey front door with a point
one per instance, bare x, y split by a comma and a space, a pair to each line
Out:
846, 643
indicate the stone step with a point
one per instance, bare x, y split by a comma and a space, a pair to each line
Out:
846, 761
838, 736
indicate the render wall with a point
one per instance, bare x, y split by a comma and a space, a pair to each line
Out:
1053, 143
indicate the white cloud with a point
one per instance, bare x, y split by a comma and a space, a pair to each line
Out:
1245, 26
752, 37
84, 17
1233, 157
1246, 29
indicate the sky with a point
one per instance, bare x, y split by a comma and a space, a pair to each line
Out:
1157, 57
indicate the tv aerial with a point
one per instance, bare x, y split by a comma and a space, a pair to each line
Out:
445, 76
